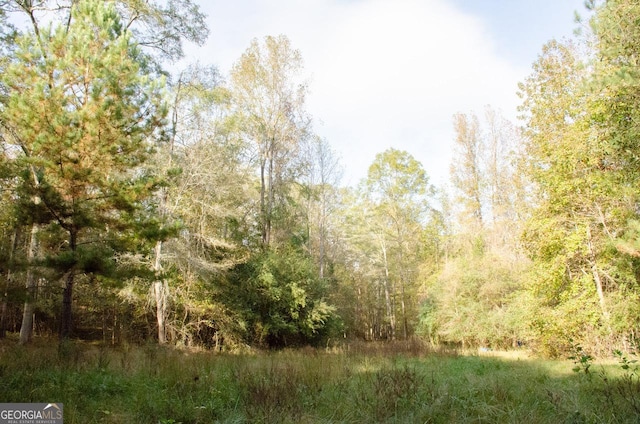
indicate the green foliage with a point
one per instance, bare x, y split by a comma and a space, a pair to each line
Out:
82, 109
582, 156
160, 27
385, 245
267, 99
395, 175
627, 388
580, 358
620, 389
255, 243
476, 301
279, 298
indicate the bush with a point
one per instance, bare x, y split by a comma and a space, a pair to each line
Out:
280, 299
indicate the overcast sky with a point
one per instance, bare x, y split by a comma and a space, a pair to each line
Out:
391, 73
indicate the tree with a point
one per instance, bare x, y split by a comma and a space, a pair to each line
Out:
555, 236
395, 205
583, 200
208, 191
466, 174
472, 298
614, 114
7, 30
279, 299
399, 187
617, 86
500, 159
362, 305
321, 191
159, 28
9, 234
83, 107
269, 100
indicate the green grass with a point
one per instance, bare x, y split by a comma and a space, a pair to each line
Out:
359, 384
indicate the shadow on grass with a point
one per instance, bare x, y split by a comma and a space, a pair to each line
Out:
355, 384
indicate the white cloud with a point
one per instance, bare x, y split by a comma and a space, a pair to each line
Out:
383, 73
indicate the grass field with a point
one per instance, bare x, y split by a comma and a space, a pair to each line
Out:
363, 383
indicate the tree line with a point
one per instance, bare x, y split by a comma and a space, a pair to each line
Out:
195, 208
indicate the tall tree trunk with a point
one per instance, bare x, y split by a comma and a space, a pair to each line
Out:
266, 192
322, 231
160, 286
387, 295
263, 203
596, 278
403, 280
3, 310
270, 200
405, 329
322, 248
26, 329
9, 277
160, 292
67, 300
67, 294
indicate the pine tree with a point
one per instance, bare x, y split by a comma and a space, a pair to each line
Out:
83, 106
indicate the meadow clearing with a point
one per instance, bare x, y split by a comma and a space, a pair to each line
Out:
358, 383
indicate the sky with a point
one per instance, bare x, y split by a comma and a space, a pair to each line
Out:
392, 73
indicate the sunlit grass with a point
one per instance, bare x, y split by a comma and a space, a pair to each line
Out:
354, 384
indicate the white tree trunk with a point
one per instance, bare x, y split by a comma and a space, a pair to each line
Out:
160, 292
26, 329
9, 278
387, 294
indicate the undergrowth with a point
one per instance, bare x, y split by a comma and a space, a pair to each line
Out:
362, 383
618, 388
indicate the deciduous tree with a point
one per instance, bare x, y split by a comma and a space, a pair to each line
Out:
466, 172
268, 96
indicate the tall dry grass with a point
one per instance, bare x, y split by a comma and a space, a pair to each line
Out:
355, 383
